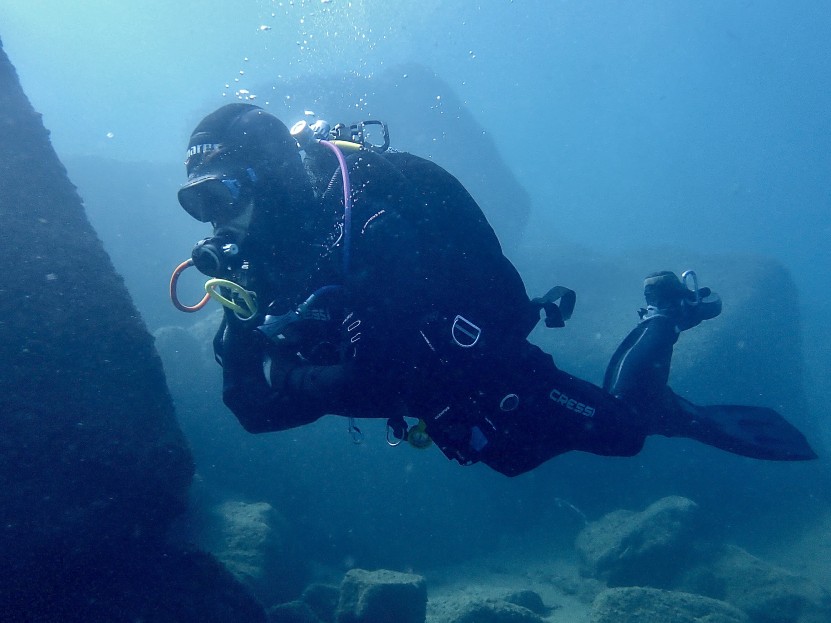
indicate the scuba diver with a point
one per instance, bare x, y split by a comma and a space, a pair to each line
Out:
365, 282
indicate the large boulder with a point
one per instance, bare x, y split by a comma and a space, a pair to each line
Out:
382, 597
255, 544
767, 593
530, 600
627, 548
651, 605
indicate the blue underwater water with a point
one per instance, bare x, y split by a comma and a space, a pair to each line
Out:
642, 129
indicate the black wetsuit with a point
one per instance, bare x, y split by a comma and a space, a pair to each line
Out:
432, 322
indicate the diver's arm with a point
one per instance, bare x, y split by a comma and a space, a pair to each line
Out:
259, 404
375, 345
270, 387
383, 292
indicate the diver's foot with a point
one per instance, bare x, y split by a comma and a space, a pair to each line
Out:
668, 297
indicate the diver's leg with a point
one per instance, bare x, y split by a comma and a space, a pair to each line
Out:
538, 412
639, 369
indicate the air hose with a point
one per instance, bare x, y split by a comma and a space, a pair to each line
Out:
347, 203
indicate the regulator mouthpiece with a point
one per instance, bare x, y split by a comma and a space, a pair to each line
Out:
216, 256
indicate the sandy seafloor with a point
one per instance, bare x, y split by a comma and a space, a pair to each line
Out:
557, 578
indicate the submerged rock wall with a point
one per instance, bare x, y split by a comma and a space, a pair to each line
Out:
89, 433
93, 466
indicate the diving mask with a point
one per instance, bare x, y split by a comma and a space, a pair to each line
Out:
213, 198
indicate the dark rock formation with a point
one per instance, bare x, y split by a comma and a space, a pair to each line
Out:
382, 597
256, 545
93, 467
89, 434
322, 599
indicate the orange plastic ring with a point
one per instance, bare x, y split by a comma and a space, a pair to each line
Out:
174, 279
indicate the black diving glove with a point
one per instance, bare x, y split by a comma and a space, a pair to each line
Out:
278, 362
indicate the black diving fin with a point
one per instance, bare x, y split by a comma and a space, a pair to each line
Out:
756, 432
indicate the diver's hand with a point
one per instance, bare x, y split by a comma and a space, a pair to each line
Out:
278, 362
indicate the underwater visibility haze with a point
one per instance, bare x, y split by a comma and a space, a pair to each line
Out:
604, 140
